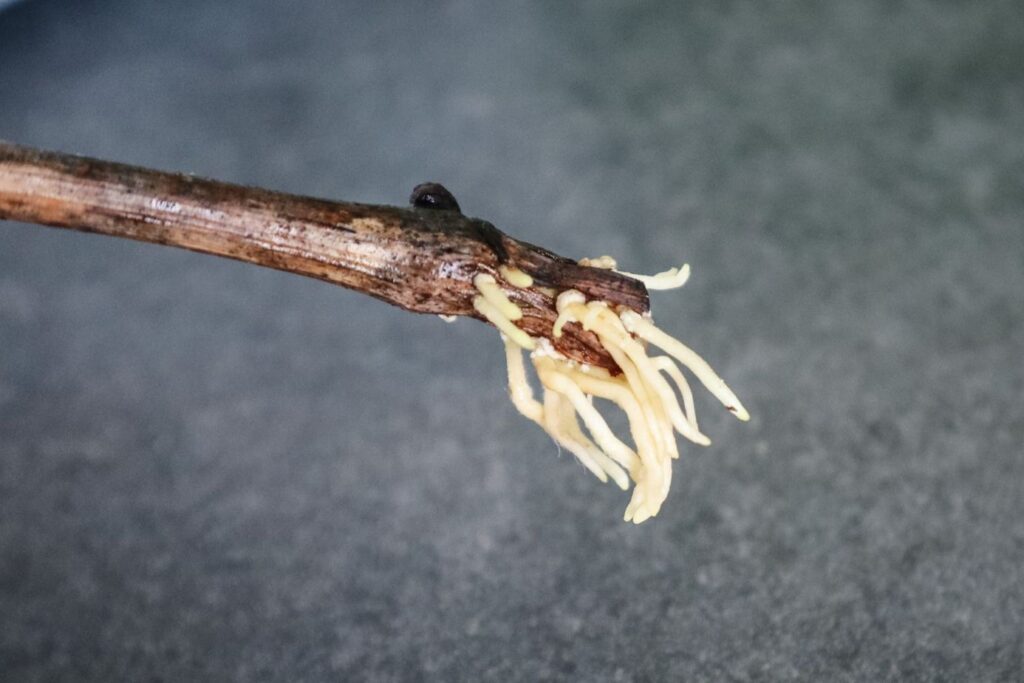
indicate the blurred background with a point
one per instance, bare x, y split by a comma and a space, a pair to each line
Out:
210, 471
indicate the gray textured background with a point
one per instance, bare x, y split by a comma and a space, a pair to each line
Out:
209, 471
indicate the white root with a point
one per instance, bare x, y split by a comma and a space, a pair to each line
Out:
640, 390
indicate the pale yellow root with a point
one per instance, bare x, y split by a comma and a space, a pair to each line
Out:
646, 330
515, 277
493, 294
640, 390
672, 278
504, 325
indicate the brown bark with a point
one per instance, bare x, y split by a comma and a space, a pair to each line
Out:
420, 259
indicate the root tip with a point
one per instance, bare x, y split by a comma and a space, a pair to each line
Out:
740, 412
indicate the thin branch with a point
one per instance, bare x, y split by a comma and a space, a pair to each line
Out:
422, 259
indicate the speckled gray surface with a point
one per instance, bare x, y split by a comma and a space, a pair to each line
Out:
213, 472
